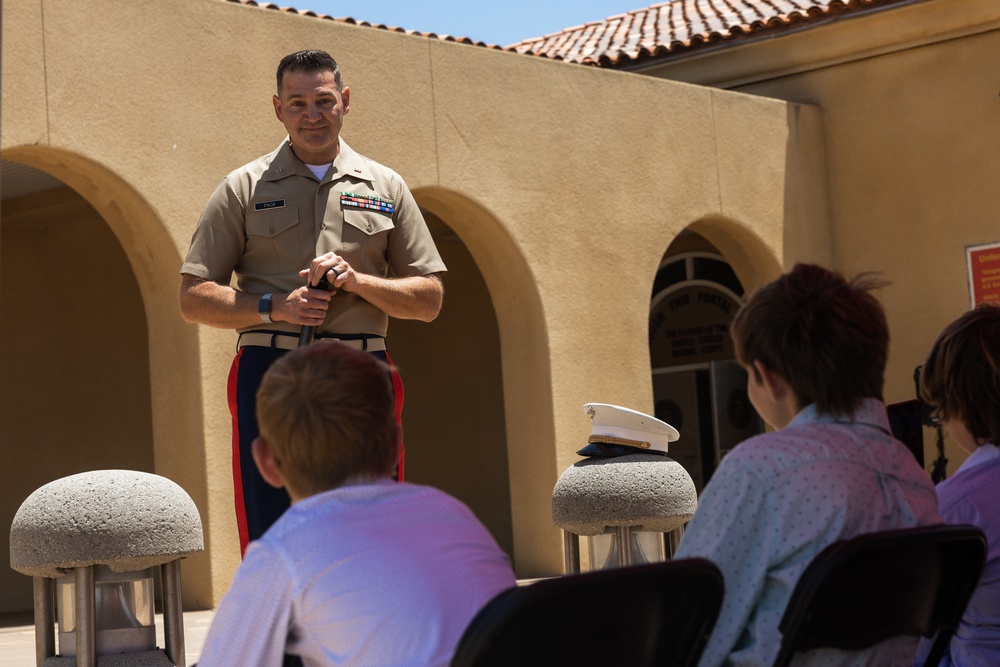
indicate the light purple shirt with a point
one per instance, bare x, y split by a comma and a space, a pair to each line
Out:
777, 500
972, 496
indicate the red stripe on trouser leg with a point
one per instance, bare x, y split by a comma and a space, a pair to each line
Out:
397, 388
241, 512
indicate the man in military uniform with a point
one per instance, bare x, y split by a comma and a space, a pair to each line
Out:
311, 210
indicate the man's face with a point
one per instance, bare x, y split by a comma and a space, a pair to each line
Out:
312, 111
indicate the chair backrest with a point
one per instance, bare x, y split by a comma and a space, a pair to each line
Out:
659, 614
862, 591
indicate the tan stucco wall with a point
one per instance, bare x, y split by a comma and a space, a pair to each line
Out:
911, 119
565, 184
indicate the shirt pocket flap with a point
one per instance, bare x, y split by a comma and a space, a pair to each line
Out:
273, 222
369, 222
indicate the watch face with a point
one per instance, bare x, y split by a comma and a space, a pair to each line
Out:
264, 308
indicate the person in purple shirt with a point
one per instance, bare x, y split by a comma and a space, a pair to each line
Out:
961, 378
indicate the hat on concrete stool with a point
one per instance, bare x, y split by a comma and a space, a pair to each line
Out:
617, 431
626, 485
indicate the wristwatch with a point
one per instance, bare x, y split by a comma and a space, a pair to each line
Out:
264, 308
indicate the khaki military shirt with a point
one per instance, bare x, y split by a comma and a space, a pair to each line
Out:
267, 220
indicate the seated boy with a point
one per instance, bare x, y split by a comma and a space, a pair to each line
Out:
360, 570
961, 378
814, 346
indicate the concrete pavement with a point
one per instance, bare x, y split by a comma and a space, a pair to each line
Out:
17, 637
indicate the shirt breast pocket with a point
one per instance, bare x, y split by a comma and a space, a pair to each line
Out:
273, 240
367, 222
366, 236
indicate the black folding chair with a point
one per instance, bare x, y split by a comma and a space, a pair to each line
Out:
659, 614
859, 592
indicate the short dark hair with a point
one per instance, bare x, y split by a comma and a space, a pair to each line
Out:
309, 61
327, 413
826, 336
961, 375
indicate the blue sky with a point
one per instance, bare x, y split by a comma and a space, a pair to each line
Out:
500, 22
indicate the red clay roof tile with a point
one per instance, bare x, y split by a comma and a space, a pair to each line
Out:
680, 26
660, 31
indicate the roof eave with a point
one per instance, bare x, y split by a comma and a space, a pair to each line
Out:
888, 28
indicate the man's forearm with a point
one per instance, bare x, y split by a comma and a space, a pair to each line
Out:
213, 304
409, 298
207, 302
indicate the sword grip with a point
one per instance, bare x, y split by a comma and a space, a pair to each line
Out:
307, 333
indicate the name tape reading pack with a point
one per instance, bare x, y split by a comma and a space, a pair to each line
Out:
265, 205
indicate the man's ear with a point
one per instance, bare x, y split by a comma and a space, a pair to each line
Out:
266, 464
776, 386
277, 107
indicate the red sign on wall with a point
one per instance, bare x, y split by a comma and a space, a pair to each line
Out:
984, 273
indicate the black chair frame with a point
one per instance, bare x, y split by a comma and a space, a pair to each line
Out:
659, 614
859, 592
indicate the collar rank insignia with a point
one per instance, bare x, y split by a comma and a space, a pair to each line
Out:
353, 200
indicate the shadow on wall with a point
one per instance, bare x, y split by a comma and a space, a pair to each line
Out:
75, 391
453, 417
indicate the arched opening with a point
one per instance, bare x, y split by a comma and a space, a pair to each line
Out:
76, 380
489, 273
111, 374
455, 434
698, 387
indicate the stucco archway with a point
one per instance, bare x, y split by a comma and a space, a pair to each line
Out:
173, 370
751, 258
453, 416
526, 375
698, 387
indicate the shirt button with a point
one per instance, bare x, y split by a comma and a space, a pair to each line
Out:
271, 230
322, 225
